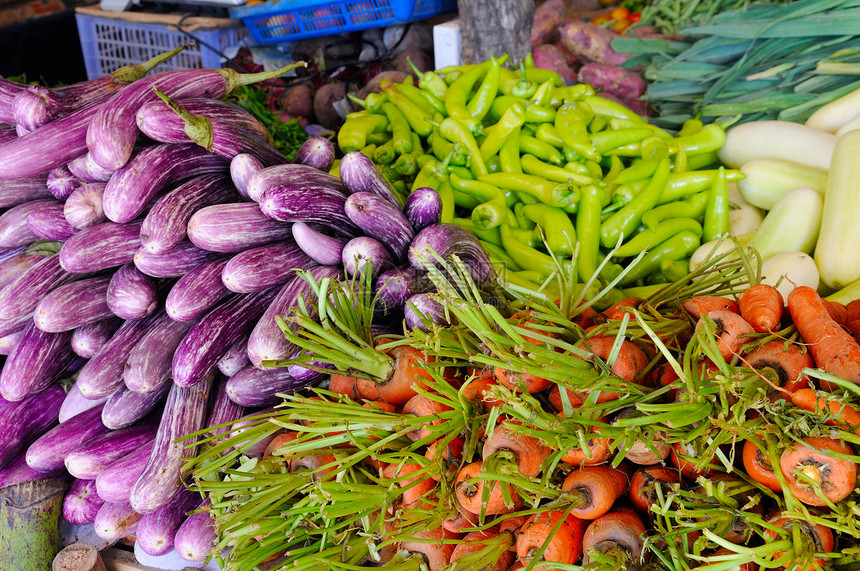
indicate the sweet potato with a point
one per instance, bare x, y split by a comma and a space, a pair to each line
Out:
547, 56
420, 58
298, 101
547, 21
623, 83
372, 86
324, 100
591, 43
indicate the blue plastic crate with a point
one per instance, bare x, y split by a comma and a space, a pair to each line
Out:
109, 43
429, 8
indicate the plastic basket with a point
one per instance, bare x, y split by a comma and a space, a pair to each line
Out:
429, 8
109, 43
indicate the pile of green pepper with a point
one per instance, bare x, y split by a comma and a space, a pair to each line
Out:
539, 170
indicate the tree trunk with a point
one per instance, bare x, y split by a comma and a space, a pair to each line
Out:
79, 557
495, 27
29, 524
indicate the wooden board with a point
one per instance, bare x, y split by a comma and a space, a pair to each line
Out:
171, 20
117, 559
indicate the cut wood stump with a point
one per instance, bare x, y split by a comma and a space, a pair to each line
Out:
79, 557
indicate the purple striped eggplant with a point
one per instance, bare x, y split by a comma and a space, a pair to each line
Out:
7, 133
114, 483
125, 408
49, 223
102, 374
242, 167
90, 459
285, 175
101, 247
26, 420
253, 387
131, 294
254, 447
222, 411
37, 361
381, 220
22, 295
184, 413
421, 307
359, 174
148, 365
156, 531
13, 266
267, 341
174, 263
263, 267
234, 227
14, 230
451, 240
14, 192
73, 305
61, 182
114, 131
195, 540
316, 152
88, 339
17, 472
393, 288
115, 521
422, 208
363, 252
210, 337
48, 147
196, 292
9, 341
86, 169
159, 122
81, 503
309, 376
8, 91
308, 202
235, 358
83, 208
48, 452
323, 249
150, 171
165, 225
75, 403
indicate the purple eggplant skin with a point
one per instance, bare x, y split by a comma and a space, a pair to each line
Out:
75, 403
88, 339
196, 537
174, 263
393, 288
74, 304
48, 452
17, 471
309, 376
102, 374
49, 223
149, 363
422, 208
22, 295
234, 227
20, 259
14, 230
253, 387
308, 202
235, 358
7, 133
450, 240
15, 192
27, 420
15, 325
263, 267
184, 413
267, 341
196, 292
86, 169
210, 337
242, 167
8, 91
101, 247
222, 412
131, 294
423, 306
9, 341
81, 503
157, 121
114, 483
316, 152
83, 207
89, 460
37, 361
359, 174
285, 175
48, 147
363, 251
323, 249
166, 224
115, 521
380, 219
125, 407
156, 531
150, 171
62, 183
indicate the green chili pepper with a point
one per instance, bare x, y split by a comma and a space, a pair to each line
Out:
417, 117
458, 95
498, 257
407, 163
385, 153
610, 109
378, 138
479, 105
558, 230
675, 270
491, 208
460, 171
401, 134
509, 154
701, 161
525, 256
457, 132
451, 76
446, 195
710, 138
678, 247
463, 200
528, 236
599, 123
544, 151
543, 95
639, 170
429, 81
717, 209
571, 123
570, 93
680, 185
534, 113
431, 175
517, 85
510, 122
606, 141
373, 102
693, 207
547, 133
546, 191
442, 148
615, 169
353, 134
494, 164
492, 235
428, 102
648, 239
627, 219
533, 165
369, 151
690, 127
518, 218
539, 76
424, 159
588, 231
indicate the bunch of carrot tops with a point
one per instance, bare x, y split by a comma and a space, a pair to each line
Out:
702, 427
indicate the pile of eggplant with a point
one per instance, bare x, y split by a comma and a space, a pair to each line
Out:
149, 238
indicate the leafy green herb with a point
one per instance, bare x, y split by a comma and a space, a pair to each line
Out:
287, 136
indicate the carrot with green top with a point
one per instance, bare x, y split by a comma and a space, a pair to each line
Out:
617, 535
761, 306
595, 489
845, 416
421, 405
470, 492
786, 363
644, 482
758, 467
563, 546
700, 305
811, 472
526, 451
730, 331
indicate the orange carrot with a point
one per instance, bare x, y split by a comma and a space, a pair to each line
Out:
617, 310
786, 363
700, 305
516, 380
833, 349
820, 536
437, 554
416, 488
450, 455
476, 541
564, 546
644, 482
758, 467
422, 405
599, 452
528, 452
730, 329
836, 310
460, 520
846, 416
343, 385
683, 457
281, 440
596, 487
761, 306
469, 494
852, 319
406, 373
617, 534
835, 478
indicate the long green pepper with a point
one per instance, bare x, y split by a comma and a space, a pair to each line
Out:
717, 210
558, 230
625, 221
